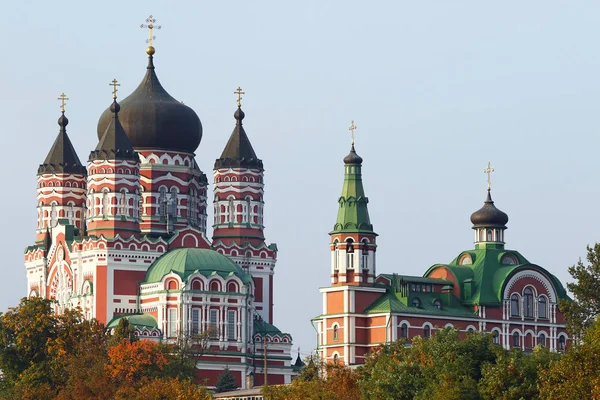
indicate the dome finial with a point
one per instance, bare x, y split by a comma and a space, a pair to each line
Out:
239, 93
352, 128
150, 25
62, 120
115, 107
489, 171
62, 99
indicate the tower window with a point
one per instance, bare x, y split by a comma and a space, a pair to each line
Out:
335, 333
489, 235
231, 212
350, 260
123, 204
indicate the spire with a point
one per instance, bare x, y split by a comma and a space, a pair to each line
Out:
238, 152
114, 144
353, 213
62, 157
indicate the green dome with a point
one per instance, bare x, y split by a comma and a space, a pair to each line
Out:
185, 262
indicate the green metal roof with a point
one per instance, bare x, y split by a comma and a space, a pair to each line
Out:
489, 275
139, 320
416, 279
395, 303
185, 262
264, 328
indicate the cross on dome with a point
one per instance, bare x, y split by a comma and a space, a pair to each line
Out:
114, 84
489, 171
352, 128
150, 25
239, 92
62, 98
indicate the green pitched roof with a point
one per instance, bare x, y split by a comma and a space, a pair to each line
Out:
488, 275
139, 320
185, 262
262, 327
353, 214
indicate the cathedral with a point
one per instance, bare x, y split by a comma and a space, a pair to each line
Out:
124, 235
485, 289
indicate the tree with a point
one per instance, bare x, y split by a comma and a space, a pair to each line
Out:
185, 352
584, 309
576, 375
129, 363
123, 331
226, 381
165, 389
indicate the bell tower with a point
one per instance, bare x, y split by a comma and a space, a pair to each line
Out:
61, 183
238, 212
353, 242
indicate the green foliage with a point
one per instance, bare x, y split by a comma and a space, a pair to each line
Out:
123, 331
226, 381
585, 307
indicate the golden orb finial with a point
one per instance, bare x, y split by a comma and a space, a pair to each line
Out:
150, 50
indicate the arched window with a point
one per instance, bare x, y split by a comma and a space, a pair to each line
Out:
349, 254
335, 359
542, 307
495, 337
542, 339
437, 304
489, 235
162, 201
335, 333
482, 235
365, 255
231, 210
53, 215
173, 202
416, 302
562, 341
426, 331
514, 305
516, 339
528, 302
404, 330
123, 203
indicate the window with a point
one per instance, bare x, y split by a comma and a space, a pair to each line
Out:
489, 235
516, 339
162, 202
123, 204
495, 337
335, 358
561, 343
213, 324
172, 322
470, 329
426, 331
231, 210
365, 260
404, 330
542, 339
53, 215
528, 302
105, 203
336, 255
335, 333
350, 260
195, 321
231, 325
514, 305
173, 202
437, 304
542, 307
416, 302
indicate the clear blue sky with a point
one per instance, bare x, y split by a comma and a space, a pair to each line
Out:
436, 88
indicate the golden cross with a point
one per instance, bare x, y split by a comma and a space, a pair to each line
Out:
62, 98
239, 92
489, 171
352, 128
114, 84
150, 20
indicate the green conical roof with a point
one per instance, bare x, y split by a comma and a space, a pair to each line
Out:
353, 213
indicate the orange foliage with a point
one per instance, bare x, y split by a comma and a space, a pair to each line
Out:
129, 362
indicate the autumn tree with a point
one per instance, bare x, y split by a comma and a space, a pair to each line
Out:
131, 362
164, 388
184, 353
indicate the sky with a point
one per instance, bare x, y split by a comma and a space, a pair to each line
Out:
436, 88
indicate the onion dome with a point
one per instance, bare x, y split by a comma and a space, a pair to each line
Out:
114, 144
189, 261
352, 157
238, 152
153, 119
62, 158
489, 215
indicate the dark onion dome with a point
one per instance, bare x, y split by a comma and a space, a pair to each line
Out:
114, 144
153, 119
489, 215
238, 152
62, 158
352, 157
